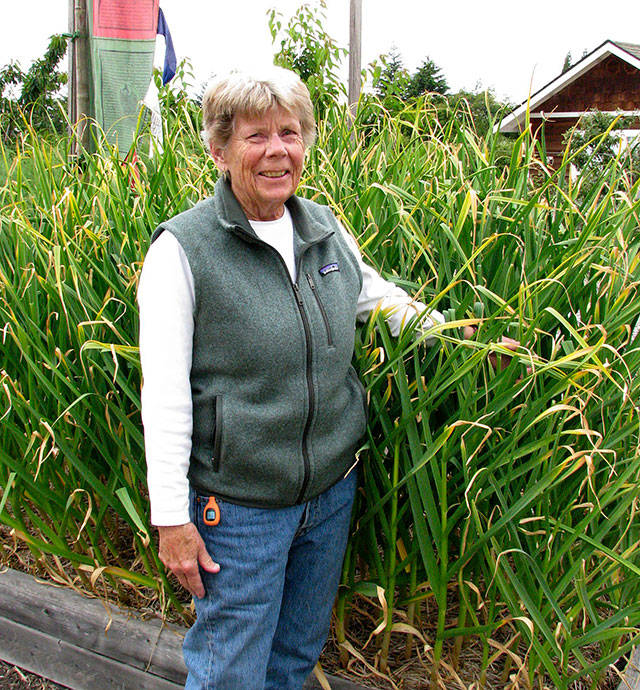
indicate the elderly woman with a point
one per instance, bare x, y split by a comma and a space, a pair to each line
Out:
251, 408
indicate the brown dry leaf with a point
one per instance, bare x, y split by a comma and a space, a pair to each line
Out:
504, 649
476, 591
350, 648
96, 574
527, 621
87, 514
385, 613
410, 630
321, 678
402, 551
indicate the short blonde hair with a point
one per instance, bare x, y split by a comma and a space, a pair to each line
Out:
254, 95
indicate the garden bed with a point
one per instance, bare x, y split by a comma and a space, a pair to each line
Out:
82, 642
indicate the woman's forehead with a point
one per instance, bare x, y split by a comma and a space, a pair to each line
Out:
276, 115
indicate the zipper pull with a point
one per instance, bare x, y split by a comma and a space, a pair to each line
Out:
296, 291
312, 285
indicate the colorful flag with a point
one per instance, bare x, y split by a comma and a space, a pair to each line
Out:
122, 45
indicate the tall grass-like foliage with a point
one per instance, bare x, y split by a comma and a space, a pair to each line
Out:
497, 505
501, 503
72, 241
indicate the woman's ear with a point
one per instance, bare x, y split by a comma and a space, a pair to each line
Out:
217, 153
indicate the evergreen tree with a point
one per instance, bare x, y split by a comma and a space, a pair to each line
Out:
393, 78
428, 78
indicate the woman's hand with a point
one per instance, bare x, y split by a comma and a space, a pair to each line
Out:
509, 343
182, 550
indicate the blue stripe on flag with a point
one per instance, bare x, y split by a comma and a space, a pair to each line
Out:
170, 61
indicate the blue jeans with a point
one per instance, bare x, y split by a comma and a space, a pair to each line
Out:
265, 616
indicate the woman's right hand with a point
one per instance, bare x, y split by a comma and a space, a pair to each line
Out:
509, 343
182, 550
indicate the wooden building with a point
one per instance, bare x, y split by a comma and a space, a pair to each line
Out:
607, 79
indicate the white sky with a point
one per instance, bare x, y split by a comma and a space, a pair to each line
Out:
502, 44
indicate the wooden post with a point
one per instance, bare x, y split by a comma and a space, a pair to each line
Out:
355, 52
71, 80
78, 107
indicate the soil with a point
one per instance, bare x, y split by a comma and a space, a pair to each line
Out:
14, 678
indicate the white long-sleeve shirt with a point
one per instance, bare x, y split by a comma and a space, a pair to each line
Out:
167, 301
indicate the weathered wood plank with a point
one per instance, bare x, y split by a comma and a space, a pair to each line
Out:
69, 665
86, 623
632, 672
72, 640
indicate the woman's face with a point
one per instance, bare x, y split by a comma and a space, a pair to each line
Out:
264, 157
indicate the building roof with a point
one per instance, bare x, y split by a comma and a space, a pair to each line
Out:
629, 52
631, 48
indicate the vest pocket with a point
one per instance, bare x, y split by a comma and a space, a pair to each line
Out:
363, 393
217, 433
325, 318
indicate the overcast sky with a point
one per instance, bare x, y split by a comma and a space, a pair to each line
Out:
508, 46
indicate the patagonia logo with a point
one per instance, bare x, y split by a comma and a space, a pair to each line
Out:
329, 268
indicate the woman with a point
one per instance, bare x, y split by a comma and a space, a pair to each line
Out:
252, 411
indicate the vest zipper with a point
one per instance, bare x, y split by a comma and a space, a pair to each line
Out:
325, 318
307, 337
311, 411
217, 436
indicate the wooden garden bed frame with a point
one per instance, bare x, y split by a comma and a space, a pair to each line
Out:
83, 643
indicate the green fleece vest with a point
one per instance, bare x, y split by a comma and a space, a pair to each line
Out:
278, 409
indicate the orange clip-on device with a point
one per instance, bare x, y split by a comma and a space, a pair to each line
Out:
211, 512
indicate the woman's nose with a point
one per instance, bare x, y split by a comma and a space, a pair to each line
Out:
275, 145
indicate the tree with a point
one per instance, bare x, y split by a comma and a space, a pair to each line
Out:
481, 104
597, 140
566, 66
428, 78
395, 86
308, 50
392, 78
34, 94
